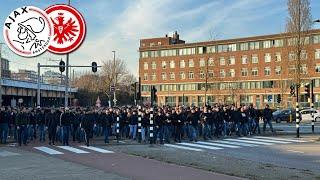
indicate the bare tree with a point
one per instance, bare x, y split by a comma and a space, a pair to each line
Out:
299, 23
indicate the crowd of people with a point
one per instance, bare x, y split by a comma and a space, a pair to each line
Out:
166, 124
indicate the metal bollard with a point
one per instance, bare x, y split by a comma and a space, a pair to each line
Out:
151, 127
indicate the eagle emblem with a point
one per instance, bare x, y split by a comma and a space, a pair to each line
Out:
64, 31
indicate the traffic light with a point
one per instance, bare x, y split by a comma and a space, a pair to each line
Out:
279, 98
62, 65
292, 92
94, 66
307, 90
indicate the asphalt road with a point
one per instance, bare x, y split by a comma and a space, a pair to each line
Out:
102, 163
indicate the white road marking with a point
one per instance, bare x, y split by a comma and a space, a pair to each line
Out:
72, 149
48, 150
296, 151
200, 146
217, 144
281, 139
249, 141
182, 147
236, 143
8, 153
267, 140
97, 149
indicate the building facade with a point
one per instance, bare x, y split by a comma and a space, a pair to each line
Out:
241, 71
25, 75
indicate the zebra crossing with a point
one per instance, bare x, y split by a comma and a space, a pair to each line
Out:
58, 150
242, 142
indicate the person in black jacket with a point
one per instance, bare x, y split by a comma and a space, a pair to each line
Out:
133, 120
22, 120
193, 120
65, 123
267, 118
52, 121
4, 125
244, 121
178, 123
106, 120
159, 124
40, 118
87, 123
75, 125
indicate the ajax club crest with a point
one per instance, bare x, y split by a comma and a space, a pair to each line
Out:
29, 31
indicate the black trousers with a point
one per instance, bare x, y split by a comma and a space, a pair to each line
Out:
177, 133
52, 134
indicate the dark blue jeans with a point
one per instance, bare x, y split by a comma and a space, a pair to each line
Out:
42, 133
3, 132
22, 134
159, 134
66, 132
106, 134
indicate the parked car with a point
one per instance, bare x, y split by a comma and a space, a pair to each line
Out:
306, 115
284, 115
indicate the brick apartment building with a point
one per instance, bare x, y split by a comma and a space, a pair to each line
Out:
244, 70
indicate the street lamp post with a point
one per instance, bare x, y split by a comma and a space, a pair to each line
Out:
114, 78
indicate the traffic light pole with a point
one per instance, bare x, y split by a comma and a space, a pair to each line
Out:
312, 105
39, 85
297, 111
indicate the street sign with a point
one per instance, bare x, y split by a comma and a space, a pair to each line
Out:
112, 88
269, 98
20, 100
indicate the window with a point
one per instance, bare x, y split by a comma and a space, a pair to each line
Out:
232, 60
254, 72
153, 77
187, 51
164, 76
244, 72
244, 59
182, 64
317, 54
182, 75
278, 56
164, 64
222, 61
317, 68
278, 70
202, 75
201, 50
191, 75
267, 71
278, 43
154, 53
316, 39
254, 45
153, 65
232, 47
232, 73
222, 48
244, 46
191, 63
171, 52
292, 56
210, 74
145, 77
144, 54
304, 69
222, 73
304, 55
211, 49
211, 62
145, 65
254, 59
292, 69
202, 62
267, 44
172, 64
267, 57
172, 76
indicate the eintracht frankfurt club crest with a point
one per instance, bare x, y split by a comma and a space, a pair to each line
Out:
69, 28
28, 31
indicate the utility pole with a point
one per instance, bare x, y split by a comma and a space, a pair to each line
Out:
114, 78
1, 73
66, 93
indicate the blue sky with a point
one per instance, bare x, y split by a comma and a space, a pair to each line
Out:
120, 24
